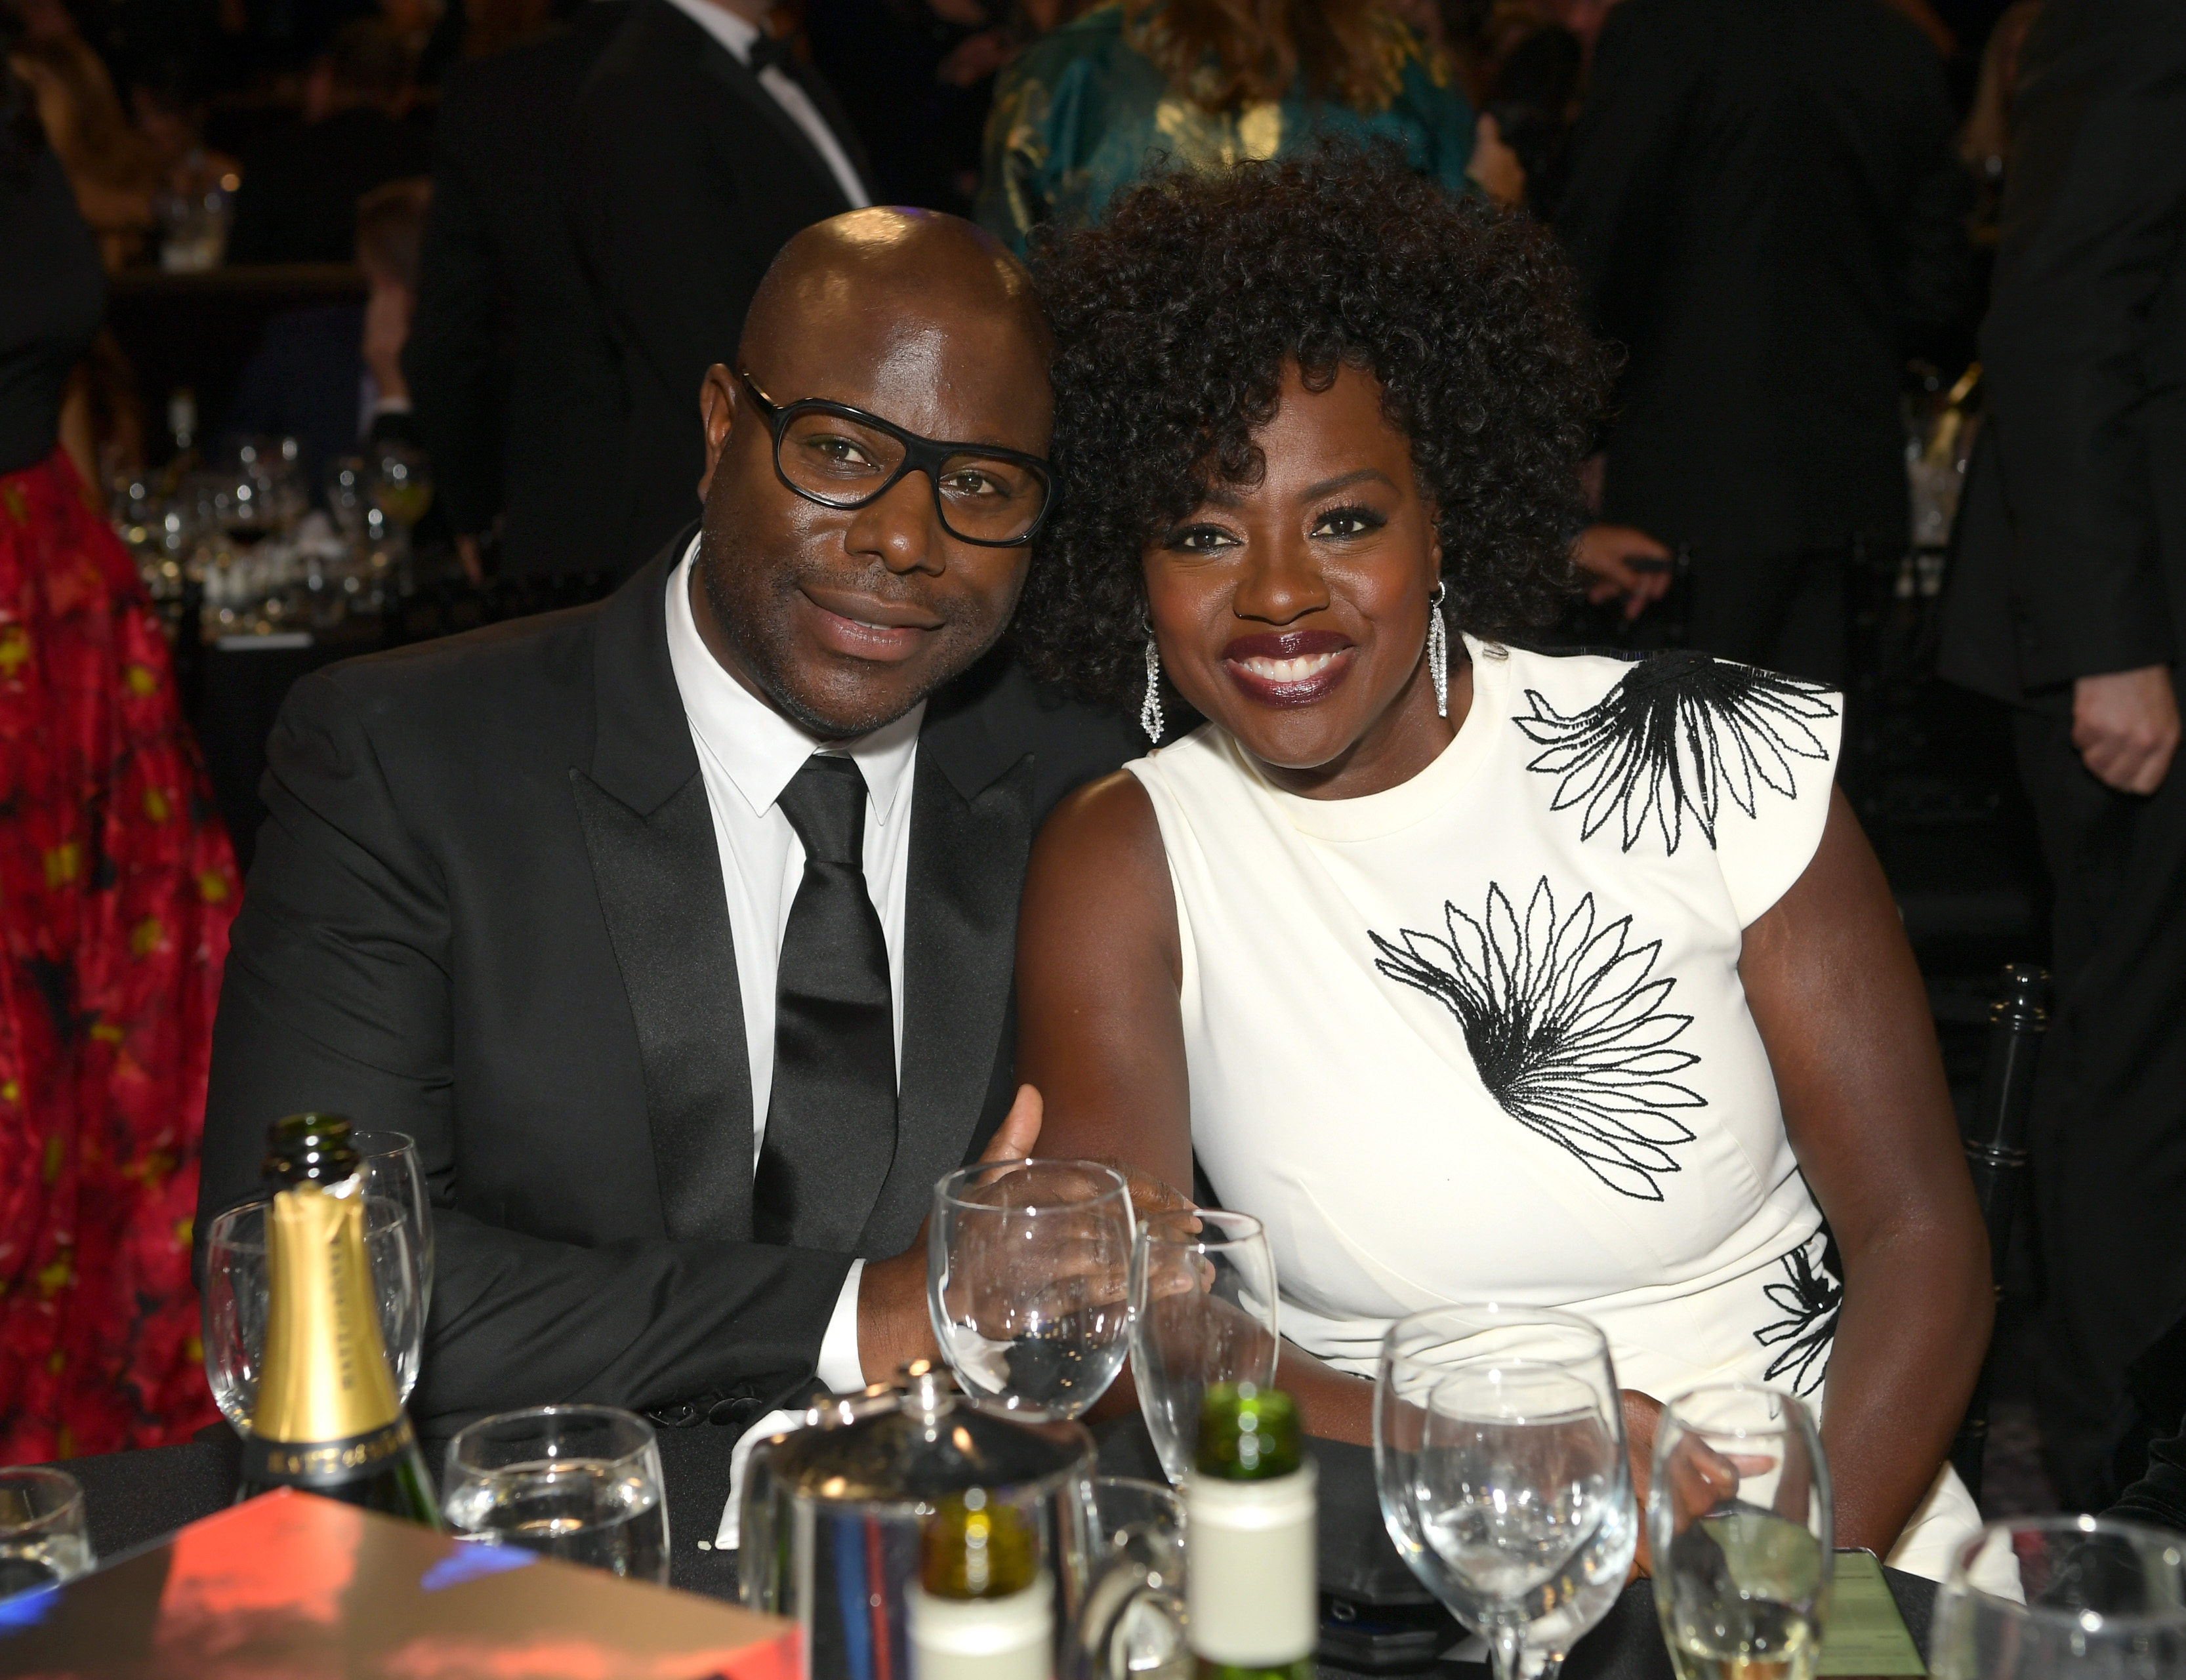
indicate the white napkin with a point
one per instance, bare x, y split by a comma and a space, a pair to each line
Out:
774, 1423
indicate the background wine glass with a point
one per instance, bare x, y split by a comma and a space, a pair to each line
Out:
44, 1539
1499, 1456
2103, 1599
1204, 1311
1028, 1274
1740, 1527
391, 1167
401, 488
233, 1307
581, 1483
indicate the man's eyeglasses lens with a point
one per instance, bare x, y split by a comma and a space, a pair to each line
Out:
836, 460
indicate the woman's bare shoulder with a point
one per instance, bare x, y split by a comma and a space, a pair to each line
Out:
1098, 868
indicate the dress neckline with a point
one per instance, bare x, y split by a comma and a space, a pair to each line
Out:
1370, 816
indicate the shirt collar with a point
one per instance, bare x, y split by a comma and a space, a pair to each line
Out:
733, 31
758, 749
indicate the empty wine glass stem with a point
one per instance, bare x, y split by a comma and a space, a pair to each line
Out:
1507, 1642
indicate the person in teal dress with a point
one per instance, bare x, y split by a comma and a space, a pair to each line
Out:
1082, 112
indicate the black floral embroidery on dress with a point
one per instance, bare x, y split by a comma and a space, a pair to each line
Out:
1566, 1025
1676, 733
1811, 1297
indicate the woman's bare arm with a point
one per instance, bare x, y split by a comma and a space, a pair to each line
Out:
1833, 987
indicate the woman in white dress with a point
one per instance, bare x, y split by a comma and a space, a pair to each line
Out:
1476, 973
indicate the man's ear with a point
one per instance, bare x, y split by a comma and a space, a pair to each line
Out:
720, 408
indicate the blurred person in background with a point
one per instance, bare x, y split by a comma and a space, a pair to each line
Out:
298, 202
119, 885
516, 389
1763, 203
330, 375
701, 145
109, 167
1078, 114
170, 107
2068, 602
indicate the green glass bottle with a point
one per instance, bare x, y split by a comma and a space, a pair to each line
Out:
327, 1418
984, 1608
1250, 1587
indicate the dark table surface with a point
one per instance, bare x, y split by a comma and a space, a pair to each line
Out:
132, 1499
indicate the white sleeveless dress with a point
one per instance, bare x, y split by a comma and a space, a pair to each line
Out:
1482, 1036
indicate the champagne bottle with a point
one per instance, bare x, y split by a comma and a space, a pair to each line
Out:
1250, 1591
983, 1608
327, 1418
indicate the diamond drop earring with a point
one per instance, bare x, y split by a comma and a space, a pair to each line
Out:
1150, 710
1438, 649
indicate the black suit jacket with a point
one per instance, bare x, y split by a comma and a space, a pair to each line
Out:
2071, 555
487, 909
1762, 199
510, 369
687, 178
298, 201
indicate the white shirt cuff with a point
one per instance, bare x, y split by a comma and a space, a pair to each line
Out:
389, 405
839, 1371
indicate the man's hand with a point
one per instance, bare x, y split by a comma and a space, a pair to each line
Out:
2126, 726
1605, 553
894, 1325
1495, 168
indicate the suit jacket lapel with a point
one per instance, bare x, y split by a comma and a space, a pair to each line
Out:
649, 833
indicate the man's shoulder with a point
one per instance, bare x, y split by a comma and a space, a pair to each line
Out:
998, 713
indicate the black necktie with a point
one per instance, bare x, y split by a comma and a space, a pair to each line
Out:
770, 52
831, 1120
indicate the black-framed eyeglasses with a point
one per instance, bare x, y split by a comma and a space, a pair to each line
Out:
841, 457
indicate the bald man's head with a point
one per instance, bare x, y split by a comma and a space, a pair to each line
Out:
843, 619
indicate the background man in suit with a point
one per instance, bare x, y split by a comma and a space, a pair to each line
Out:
1762, 199
2069, 603
701, 146
514, 385
687, 958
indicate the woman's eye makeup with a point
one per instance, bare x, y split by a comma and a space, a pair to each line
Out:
1199, 539
1348, 522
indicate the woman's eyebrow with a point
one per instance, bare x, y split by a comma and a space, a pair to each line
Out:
1344, 480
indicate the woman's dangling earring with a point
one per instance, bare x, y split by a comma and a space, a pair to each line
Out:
1438, 649
1150, 711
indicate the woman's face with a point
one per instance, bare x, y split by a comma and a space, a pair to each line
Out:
1293, 611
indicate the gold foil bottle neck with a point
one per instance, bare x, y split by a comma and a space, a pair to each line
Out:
326, 1375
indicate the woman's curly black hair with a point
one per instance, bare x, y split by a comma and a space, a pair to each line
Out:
1175, 319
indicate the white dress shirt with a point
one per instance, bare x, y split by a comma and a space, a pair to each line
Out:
737, 35
749, 752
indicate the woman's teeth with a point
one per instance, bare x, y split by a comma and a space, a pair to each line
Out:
1299, 669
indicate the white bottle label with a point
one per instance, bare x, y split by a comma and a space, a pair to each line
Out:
1006, 1638
1251, 1585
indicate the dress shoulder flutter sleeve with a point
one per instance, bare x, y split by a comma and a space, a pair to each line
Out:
1686, 750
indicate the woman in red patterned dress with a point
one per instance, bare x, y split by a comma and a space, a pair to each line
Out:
117, 885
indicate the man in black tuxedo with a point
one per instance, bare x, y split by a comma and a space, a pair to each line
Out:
701, 146
1762, 200
512, 380
589, 903
2068, 602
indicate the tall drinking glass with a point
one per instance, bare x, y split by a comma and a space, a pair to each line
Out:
1740, 1527
233, 1310
1202, 1311
44, 1537
2099, 1599
1499, 1451
1028, 1274
392, 1168
581, 1483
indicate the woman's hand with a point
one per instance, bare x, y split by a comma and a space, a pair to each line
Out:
1642, 1414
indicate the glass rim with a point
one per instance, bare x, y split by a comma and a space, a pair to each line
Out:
44, 1476
403, 1140
1555, 1317
474, 1432
1742, 1431
259, 1204
1152, 1230
2142, 1535
945, 1187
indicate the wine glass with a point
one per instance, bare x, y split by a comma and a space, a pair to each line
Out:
1202, 1311
1499, 1456
389, 1163
44, 1537
237, 1295
401, 488
581, 1483
1028, 1274
1739, 1525
1131, 1622
2101, 1600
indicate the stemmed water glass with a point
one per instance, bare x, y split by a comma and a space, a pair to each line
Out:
2100, 1599
1027, 1279
1739, 1527
1202, 1311
1499, 1456
392, 1168
238, 1295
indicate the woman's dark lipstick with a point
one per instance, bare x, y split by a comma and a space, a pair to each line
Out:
1288, 668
